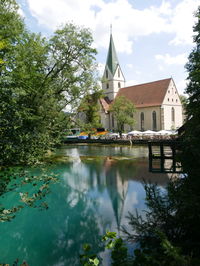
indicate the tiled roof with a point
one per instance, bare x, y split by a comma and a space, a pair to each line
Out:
105, 103
147, 94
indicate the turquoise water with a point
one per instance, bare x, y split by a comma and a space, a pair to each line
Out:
98, 186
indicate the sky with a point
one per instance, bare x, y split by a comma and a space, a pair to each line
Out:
153, 38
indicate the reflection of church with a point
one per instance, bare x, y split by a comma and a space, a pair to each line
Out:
157, 103
117, 188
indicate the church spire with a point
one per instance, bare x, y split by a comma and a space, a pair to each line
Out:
112, 60
113, 78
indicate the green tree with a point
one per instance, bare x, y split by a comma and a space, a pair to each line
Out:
184, 100
123, 111
72, 69
90, 107
192, 128
38, 79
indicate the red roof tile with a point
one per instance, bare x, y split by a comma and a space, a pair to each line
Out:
147, 94
105, 103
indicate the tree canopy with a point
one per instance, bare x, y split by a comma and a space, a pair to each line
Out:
89, 107
38, 79
192, 127
123, 112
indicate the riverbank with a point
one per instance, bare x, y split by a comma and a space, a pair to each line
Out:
116, 141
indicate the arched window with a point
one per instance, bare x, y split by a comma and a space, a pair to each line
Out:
118, 73
107, 86
173, 115
119, 85
154, 120
142, 121
106, 73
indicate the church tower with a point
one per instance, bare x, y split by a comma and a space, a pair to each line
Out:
113, 78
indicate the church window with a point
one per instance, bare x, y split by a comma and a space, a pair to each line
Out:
107, 86
142, 121
173, 115
172, 100
168, 99
176, 100
154, 120
168, 91
118, 73
106, 73
119, 85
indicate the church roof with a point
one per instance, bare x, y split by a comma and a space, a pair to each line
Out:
112, 61
105, 103
147, 94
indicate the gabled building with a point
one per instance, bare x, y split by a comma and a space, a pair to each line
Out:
157, 103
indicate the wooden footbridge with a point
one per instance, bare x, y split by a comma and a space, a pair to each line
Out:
164, 156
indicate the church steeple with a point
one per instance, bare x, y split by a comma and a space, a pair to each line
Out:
113, 78
112, 60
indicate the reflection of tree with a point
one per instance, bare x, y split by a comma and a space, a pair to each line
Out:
57, 235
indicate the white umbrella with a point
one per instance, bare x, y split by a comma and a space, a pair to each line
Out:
149, 132
165, 132
135, 132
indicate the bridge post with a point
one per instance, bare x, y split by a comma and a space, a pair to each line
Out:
162, 157
150, 156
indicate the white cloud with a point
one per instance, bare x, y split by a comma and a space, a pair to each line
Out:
137, 72
128, 22
181, 85
179, 59
21, 12
182, 21
100, 68
130, 66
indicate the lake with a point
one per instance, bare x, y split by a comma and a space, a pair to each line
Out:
98, 186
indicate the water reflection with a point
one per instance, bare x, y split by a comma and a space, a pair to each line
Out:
94, 194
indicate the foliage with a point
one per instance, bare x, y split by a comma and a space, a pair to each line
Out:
192, 126
123, 111
162, 232
38, 79
90, 108
184, 101
87, 258
110, 241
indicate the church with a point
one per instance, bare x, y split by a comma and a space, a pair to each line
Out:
157, 103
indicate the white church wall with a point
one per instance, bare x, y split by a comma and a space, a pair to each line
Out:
111, 84
168, 117
172, 100
148, 118
172, 96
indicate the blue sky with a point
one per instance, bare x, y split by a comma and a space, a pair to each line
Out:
153, 38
